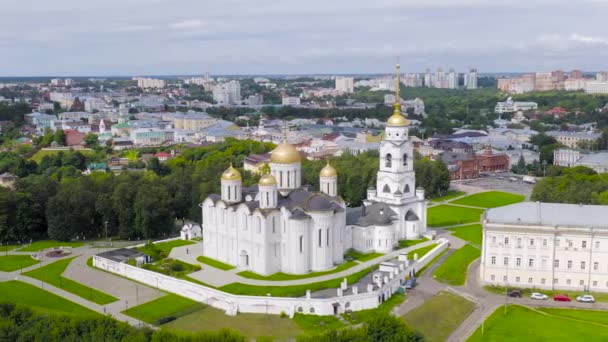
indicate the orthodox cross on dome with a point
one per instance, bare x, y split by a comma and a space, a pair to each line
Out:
398, 89
284, 131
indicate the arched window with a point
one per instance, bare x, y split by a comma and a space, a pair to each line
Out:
407, 188
319, 237
268, 198
274, 228
259, 225
386, 189
388, 160
301, 243
327, 241
405, 159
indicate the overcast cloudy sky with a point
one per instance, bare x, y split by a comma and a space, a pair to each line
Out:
132, 37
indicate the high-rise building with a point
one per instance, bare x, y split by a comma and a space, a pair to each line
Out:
145, 83
470, 79
428, 78
345, 84
227, 93
452, 81
440, 79
412, 80
602, 76
575, 74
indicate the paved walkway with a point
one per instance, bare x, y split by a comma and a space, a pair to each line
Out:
215, 277
128, 292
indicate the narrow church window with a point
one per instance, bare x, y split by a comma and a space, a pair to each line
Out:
407, 188
301, 242
388, 160
328, 237
405, 159
268, 198
274, 230
259, 225
386, 189
281, 179
319, 237
288, 180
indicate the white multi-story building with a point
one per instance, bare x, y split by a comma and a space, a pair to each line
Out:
345, 84
596, 87
470, 79
602, 76
227, 93
574, 139
573, 84
147, 83
291, 101
452, 82
280, 226
598, 161
547, 246
510, 106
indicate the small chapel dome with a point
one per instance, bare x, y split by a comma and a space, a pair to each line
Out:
267, 179
328, 171
285, 154
231, 174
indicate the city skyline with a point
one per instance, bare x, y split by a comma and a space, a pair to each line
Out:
105, 38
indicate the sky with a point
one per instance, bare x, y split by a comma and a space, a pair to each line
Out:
179, 37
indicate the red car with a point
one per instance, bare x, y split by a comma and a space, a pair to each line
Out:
561, 298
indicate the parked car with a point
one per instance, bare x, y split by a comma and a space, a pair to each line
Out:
410, 283
539, 296
561, 298
585, 299
514, 293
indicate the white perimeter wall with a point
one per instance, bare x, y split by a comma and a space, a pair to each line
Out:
233, 304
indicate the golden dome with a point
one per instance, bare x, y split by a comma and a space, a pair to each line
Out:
231, 174
328, 171
285, 154
267, 179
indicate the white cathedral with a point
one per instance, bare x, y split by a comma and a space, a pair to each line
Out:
281, 226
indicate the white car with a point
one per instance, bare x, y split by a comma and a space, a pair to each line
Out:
539, 296
585, 299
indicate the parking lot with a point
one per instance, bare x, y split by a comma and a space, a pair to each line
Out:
496, 181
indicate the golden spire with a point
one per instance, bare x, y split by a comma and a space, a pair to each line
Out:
285, 131
398, 91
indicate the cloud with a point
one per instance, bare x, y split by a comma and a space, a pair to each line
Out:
189, 24
593, 40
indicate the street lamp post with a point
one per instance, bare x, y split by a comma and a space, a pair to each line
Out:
106, 224
544, 168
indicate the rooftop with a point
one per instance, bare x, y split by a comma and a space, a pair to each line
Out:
550, 214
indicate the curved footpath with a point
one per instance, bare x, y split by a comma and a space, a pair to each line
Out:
216, 277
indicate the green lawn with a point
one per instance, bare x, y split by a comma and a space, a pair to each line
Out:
362, 257
439, 316
596, 316
490, 199
283, 276
215, 263
40, 245
169, 305
410, 243
454, 270
39, 300
251, 325
524, 324
448, 215
451, 194
166, 247
365, 315
470, 233
10, 263
421, 251
293, 290
313, 324
51, 274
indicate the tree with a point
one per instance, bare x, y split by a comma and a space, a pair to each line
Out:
71, 211
91, 140
59, 137
153, 214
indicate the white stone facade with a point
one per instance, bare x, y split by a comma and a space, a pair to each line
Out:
547, 246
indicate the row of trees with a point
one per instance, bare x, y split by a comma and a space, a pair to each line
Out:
53, 199
577, 185
21, 324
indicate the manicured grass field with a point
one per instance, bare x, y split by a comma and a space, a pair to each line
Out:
168, 246
454, 270
439, 316
214, 263
250, 325
283, 276
595, 316
362, 257
470, 233
11, 263
490, 199
40, 245
421, 251
169, 305
365, 315
524, 324
451, 194
409, 243
448, 215
51, 274
39, 300
293, 290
